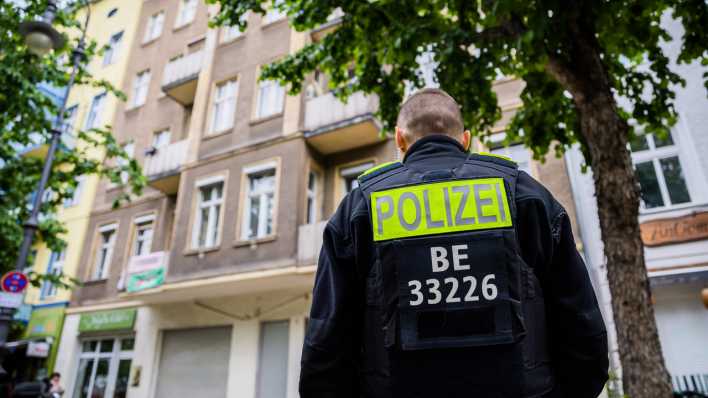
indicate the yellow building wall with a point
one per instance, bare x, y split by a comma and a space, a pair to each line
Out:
75, 218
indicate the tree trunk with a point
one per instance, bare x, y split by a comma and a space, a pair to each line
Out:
605, 135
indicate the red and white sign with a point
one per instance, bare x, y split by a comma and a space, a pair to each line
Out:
147, 262
14, 282
38, 349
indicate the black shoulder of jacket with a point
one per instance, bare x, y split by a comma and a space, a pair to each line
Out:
378, 170
494, 158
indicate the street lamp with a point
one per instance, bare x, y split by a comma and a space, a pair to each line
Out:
41, 38
40, 35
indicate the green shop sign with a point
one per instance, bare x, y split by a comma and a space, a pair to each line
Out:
107, 320
45, 322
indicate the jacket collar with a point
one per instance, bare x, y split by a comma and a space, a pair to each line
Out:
434, 145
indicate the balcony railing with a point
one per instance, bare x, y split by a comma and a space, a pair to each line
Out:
179, 79
309, 242
162, 167
333, 126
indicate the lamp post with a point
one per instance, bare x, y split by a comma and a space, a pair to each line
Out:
41, 37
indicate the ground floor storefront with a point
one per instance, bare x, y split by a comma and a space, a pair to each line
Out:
682, 320
233, 346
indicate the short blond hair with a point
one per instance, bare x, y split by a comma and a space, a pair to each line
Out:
430, 111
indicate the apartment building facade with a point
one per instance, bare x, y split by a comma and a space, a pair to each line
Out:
201, 286
673, 175
112, 24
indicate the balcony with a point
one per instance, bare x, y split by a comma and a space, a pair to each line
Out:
163, 165
333, 126
179, 80
309, 242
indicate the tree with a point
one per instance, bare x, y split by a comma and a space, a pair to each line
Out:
575, 57
26, 119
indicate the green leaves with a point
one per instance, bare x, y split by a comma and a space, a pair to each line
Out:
27, 112
375, 47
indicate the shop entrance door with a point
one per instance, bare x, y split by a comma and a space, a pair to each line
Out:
104, 367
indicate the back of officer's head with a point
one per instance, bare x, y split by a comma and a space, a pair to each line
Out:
430, 111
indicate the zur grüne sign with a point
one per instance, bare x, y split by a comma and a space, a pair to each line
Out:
120, 319
146, 271
675, 230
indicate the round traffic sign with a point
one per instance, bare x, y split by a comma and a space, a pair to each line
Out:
14, 282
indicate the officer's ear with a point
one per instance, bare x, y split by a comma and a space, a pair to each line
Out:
467, 140
401, 142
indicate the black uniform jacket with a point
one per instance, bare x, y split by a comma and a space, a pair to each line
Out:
343, 353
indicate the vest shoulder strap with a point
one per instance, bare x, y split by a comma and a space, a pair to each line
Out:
494, 158
377, 171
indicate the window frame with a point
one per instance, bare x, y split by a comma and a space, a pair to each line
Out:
655, 155
256, 115
351, 168
96, 110
274, 163
219, 177
225, 36
150, 26
212, 131
148, 218
267, 21
115, 356
139, 98
75, 198
110, 56
92, 275
179, 23
317, 195
49, 289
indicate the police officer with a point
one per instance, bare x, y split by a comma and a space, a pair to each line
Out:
451, 274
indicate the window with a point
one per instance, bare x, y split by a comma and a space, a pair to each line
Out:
111, 54
518, 153
312, 182
658, 169
141, 84
187, 10
55, 267
93, 118
224, 106
142, 241
229, 33
274, 13
210, 200
106, 241
154, 26
70, 119
260, 202
270, 98
349, 175
273, 359
104, 368
129, 149
76, 195
161, 139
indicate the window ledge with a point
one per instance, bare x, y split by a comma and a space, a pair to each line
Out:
255, 242
232, 40
202, 250
217, 134
272, 23
95, 281
147, 43
182, 25
133, 108
264, 119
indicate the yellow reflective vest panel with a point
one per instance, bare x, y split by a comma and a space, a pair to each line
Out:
441, 207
